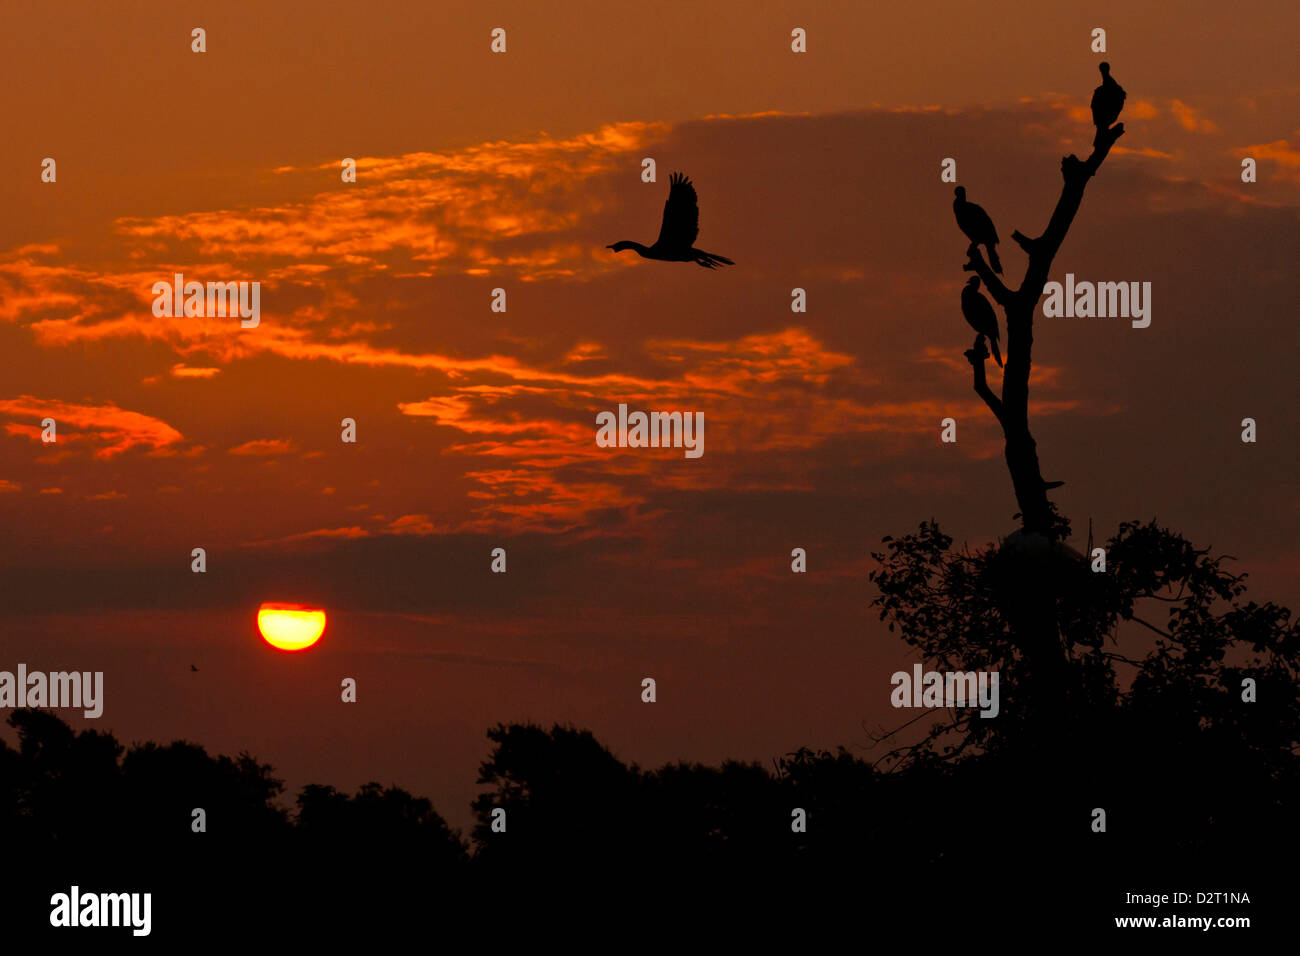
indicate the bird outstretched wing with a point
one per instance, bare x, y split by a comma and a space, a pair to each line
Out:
681, 215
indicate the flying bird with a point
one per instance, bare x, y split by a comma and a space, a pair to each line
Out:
677, 235
1107, 99
975, 222
980, 314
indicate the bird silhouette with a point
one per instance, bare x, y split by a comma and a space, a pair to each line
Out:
677, 235
975, 222
980, 314
193, 668
1107, 99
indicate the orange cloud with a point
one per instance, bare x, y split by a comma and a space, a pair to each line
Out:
181, 370
584, 352
265, 446
440, 209
504, 208
1286, 153
1191, 119
411, 524
554, 476
317, 537
1144, 151
115, 429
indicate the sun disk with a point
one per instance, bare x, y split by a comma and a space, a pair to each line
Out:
290, 627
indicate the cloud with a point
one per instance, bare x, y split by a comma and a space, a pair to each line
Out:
1284, 152
440, 211
411, 524
1191, 119
552, 475
113, 429
585, 352
265, 446
181, 370
319, 536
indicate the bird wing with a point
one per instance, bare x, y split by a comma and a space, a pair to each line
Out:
979, 313
982, 224
974, 221
1108, 100
987, 318
681, 215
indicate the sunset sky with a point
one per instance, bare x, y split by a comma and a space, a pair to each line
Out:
476, 429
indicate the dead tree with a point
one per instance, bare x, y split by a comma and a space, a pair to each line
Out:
1039, 575
1011, 408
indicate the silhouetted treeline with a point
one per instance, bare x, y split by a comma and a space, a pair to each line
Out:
1148, 722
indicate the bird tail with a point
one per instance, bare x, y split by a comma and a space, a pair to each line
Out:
709, 260
997, 355
995, 262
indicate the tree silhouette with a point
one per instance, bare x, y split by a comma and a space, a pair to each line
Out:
162, 784
1040, 573
376, 821
43, 784
1011, 408
1122, 689
564, 795
571, 804
1154, 728
78, 807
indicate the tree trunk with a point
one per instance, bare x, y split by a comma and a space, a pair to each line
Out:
1034, 573
1012, 409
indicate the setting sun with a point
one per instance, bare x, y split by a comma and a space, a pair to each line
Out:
290, 627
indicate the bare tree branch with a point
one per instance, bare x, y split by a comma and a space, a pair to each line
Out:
1076, 175
1150, 627
1011, 408
977, 355
1111, 655
1024, 241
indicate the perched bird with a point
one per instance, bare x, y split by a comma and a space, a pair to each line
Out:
193, 668
1107, 99
980, 314
975, 222
677, 235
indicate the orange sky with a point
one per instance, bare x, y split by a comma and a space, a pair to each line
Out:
476, 429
